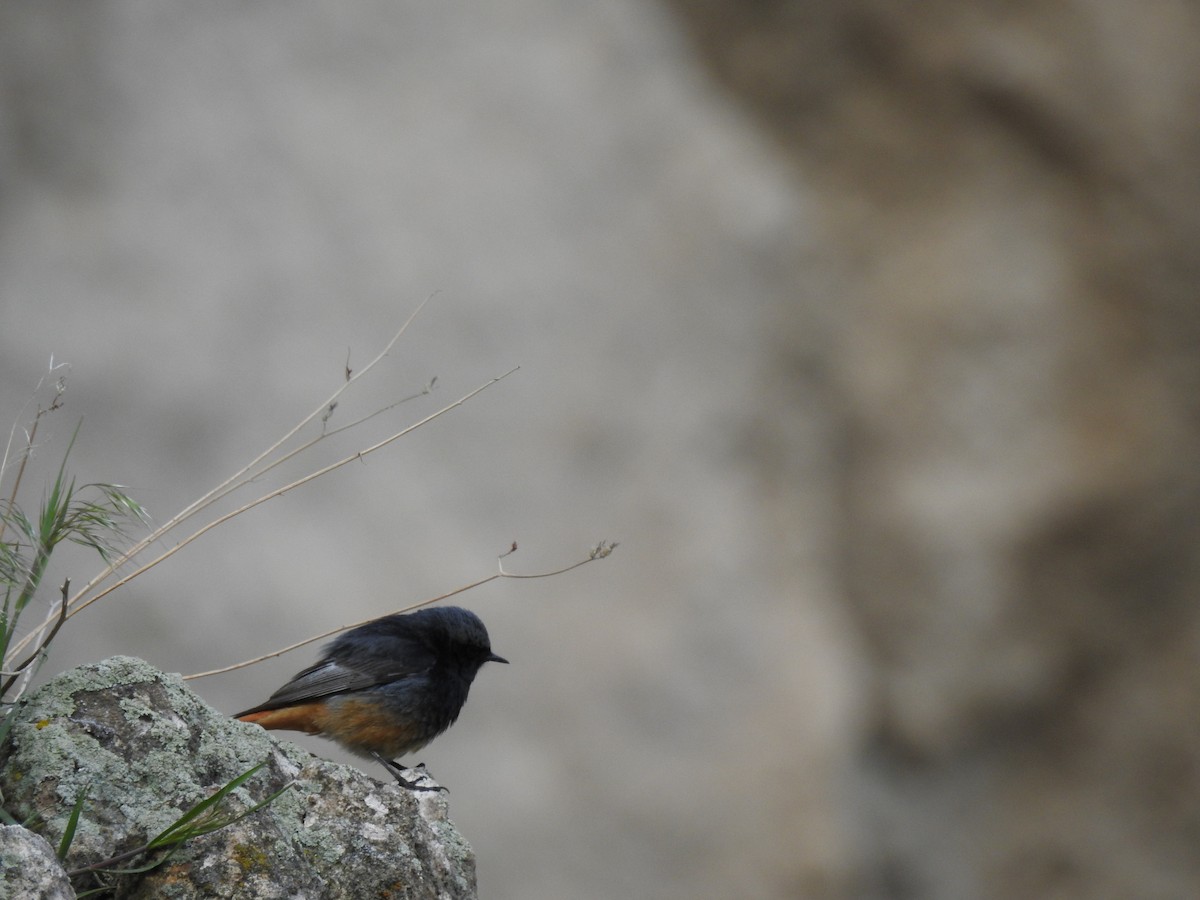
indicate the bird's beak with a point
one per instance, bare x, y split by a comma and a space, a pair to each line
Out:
492, 657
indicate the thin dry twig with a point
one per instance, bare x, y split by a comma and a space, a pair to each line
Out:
600, 551
250, 471
77, 604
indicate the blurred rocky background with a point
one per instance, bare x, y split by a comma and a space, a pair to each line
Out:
869, 329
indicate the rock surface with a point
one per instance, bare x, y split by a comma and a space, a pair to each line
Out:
28, 867
146, 749
1013, 210
877, 352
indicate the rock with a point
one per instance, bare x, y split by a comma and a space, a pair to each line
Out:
29, 868
146, 749
1012, 209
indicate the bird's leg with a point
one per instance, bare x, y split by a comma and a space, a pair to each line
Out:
396, 768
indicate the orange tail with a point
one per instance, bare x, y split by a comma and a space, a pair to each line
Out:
308, 717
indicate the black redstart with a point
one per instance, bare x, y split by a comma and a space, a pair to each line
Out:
386, 688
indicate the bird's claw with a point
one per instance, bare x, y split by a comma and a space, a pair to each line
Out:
396, 769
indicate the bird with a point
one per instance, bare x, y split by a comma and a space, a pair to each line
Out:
387, 688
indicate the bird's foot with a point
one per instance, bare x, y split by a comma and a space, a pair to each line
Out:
395, 769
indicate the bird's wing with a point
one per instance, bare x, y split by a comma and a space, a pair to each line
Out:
351, 665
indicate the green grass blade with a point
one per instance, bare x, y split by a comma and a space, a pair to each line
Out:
72, 823
171, 834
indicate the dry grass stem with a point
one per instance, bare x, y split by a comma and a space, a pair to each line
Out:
81, 600
600, 551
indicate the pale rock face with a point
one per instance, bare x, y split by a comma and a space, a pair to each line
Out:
878, 358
